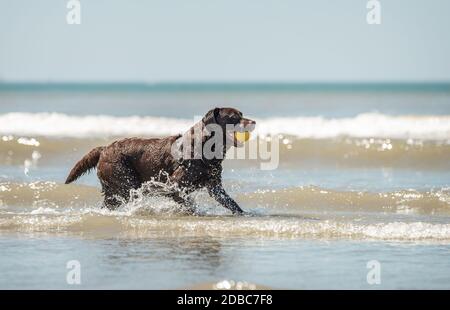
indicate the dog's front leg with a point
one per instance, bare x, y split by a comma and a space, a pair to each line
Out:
220, 195
187, 202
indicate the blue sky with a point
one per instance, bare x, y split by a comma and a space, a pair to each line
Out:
225, 40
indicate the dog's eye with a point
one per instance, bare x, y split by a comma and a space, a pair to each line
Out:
236, 118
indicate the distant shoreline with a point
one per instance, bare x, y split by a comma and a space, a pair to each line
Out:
226, 87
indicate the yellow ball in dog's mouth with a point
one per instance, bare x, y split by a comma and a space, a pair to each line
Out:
242, 136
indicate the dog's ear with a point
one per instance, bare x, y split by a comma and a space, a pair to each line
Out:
211, 116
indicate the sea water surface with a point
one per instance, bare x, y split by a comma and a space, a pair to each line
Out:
363, 175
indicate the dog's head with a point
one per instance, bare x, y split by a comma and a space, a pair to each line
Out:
231, 122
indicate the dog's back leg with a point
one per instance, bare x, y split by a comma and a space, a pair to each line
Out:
117, 180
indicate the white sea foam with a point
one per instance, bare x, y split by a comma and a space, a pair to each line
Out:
135, 225
363, 125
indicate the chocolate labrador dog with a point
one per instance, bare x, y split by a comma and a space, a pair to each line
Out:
127, 164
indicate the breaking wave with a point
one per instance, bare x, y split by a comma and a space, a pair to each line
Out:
363, 125
98, 225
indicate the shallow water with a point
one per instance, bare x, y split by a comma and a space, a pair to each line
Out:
184, 262
362, 176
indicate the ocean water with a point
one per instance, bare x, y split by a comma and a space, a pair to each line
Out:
363, 174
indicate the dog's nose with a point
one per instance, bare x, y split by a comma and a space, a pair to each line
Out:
249, 124
247, 121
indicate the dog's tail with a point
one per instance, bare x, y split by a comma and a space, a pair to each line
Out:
88, 162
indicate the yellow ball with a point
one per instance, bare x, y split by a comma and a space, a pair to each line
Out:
242, 136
